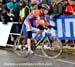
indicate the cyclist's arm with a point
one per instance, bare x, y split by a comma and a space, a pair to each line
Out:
37, 15
42, 23
48, 24
38, 22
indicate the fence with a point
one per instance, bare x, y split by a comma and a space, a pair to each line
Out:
65, 29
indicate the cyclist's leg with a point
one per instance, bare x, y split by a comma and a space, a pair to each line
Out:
29, 34
29, 40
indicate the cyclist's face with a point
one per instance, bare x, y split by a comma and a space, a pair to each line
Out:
45, 11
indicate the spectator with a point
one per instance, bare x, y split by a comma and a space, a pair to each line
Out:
65, 4
16, 9
71, 7
33, 5
24, 10
5, 17
10, 6
37, 2
52, 5
57, 8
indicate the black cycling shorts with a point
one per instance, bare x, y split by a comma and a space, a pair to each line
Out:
29, 34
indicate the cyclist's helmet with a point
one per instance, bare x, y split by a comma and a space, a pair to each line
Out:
45, 6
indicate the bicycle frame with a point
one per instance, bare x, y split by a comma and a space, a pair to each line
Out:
46, 35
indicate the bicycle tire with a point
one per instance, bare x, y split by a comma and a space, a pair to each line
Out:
53, 47
19, 50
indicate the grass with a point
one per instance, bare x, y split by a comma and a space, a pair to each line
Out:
67, 50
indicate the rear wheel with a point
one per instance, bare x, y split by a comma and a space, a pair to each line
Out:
20, 46
51, 47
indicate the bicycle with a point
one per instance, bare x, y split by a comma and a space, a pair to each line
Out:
50, 46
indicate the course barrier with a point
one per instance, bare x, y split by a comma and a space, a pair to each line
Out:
65, 29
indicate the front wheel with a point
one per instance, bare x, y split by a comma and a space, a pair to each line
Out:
51, 47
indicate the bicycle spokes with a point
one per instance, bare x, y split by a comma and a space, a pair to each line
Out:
52, 47
20, 47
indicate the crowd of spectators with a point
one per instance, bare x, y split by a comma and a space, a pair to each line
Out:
9, 10
17, 10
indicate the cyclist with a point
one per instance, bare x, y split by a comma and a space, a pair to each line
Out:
33, 20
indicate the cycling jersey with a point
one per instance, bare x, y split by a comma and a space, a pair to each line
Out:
33, 19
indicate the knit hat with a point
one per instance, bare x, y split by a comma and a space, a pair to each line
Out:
10, 5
